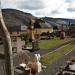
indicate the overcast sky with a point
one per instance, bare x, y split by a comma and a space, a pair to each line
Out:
51, 8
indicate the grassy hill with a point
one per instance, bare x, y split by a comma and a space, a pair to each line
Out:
62, 20
13, 17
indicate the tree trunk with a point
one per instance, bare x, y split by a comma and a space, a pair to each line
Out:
7, 46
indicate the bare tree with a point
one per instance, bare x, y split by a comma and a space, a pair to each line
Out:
7, 46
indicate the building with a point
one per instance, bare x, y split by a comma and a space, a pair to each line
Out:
71, 30
41, 26
16, 41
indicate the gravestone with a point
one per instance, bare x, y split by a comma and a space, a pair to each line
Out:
35, 45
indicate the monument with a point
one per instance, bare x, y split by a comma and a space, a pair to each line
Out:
35, 44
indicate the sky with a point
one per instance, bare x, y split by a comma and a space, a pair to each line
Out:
43, 8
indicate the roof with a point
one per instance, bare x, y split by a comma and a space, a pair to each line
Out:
14, 29
45, 25
41, 24
17, 28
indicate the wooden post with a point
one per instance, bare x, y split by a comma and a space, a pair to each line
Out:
7, 47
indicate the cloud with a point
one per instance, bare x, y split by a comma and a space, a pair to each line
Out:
55, 12
69, 1
31, 4
8, 3
71, 7
52, 8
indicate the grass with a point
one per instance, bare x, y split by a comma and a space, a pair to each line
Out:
51, 43
51, 57
29, 45
44, 44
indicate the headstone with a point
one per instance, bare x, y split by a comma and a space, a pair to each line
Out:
35, 45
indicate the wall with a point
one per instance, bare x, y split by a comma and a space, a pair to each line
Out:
41, 30
17, 42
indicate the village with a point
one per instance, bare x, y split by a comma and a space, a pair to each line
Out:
31, 45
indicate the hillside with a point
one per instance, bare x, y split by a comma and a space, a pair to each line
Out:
13, 17
64, 21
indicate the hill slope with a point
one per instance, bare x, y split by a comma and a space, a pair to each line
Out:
59, 20
13, 17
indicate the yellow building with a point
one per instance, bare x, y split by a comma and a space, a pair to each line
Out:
41, 26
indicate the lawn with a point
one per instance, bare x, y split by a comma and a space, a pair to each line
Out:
45, 44
51, 43
51, 57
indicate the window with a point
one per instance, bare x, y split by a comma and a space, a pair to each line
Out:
14, 38
14, 49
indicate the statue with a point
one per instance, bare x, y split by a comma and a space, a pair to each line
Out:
39, 65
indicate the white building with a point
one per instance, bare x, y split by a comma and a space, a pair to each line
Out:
17, 42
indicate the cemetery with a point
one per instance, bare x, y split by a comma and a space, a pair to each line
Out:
31, 45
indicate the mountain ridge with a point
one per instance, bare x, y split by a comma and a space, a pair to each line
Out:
14, 17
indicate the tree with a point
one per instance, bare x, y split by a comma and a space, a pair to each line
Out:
25, 38
55, 27
7, 47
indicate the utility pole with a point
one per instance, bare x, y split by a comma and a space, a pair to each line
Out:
7, 46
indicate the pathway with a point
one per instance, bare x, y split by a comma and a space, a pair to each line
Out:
45, 51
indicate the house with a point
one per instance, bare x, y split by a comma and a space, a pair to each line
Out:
16, 41
37, 27
41, 26
71, 30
